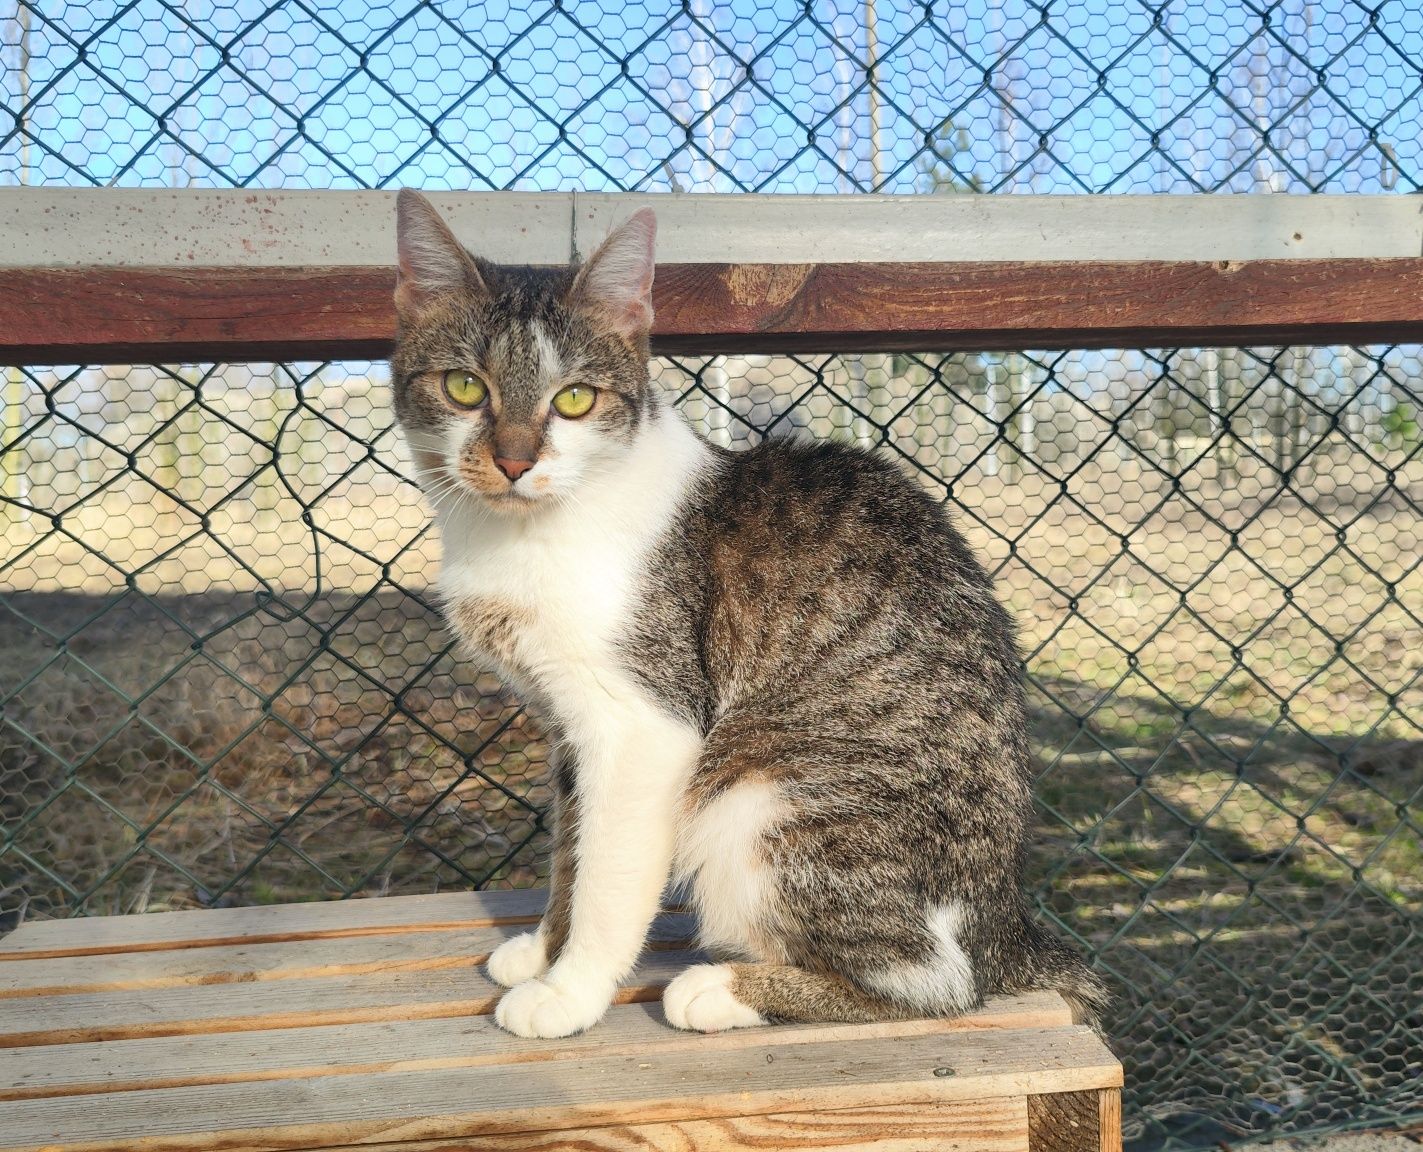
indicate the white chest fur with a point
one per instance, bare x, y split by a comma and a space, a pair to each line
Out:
555, 591
547, 596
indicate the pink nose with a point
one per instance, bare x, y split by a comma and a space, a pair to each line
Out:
512, 468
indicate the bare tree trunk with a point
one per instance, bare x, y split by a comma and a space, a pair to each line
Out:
1230, 389
12, 464
872, 76
1000, 399
717, 382
702, 78
1001, 385
1221, 448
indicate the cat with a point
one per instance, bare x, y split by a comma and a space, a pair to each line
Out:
777, 678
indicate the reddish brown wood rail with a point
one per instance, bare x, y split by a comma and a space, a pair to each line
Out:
117, 315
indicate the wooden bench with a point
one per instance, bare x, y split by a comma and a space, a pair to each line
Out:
368, 1023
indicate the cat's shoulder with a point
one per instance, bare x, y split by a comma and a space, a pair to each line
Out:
826, 473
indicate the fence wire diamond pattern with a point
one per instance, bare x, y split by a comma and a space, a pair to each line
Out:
226, 683
223, 681
847, 95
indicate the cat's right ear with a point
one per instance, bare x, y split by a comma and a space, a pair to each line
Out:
432, 263
617, 280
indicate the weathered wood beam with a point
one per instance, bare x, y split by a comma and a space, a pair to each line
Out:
90, 275
121, 315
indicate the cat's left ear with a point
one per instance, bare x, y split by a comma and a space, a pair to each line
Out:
432, 263
617, 280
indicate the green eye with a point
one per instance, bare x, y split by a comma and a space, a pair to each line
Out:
465, 388
574, 401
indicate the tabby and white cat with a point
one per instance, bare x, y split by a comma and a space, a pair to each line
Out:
777, 678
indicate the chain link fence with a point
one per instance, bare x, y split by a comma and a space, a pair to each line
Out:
703, 95
221, 677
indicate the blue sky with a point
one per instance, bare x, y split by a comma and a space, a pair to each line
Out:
1091, 95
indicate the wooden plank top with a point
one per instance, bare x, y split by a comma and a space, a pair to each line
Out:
272, 923
98, 228
346, 1024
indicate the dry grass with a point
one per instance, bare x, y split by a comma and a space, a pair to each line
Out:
268, 763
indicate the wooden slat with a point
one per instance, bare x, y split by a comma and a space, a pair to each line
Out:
141, 315
749, 308
123, 315
998, 1125
654, 1087
179, 1061
117, 275
348, 955
273, 923
242, 963
422, 993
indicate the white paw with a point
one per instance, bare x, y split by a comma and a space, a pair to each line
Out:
517, 960
700, 1000
541, 1009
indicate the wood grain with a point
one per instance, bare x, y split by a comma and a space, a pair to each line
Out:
286, 960
400, 994
367, 1022
1109, 1102
244, 963
956, 1126
117, 315
271, 923
183, 1061
961, 306
658, 1086
1064, 1122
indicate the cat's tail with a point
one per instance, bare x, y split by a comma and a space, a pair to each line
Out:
1051, 965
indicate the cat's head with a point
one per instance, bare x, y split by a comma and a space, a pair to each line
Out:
518, 386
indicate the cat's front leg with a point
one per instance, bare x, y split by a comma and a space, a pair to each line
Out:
627, 792
529, 955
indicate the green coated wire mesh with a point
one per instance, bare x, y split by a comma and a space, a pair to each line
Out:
221, 676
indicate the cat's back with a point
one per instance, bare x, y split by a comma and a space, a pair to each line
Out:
839, 493
803, 561
835, 525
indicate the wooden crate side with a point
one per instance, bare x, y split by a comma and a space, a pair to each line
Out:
956, 1126
655, 1087
1063, 1122
1085, 1121
1110, 1125
406, 1045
